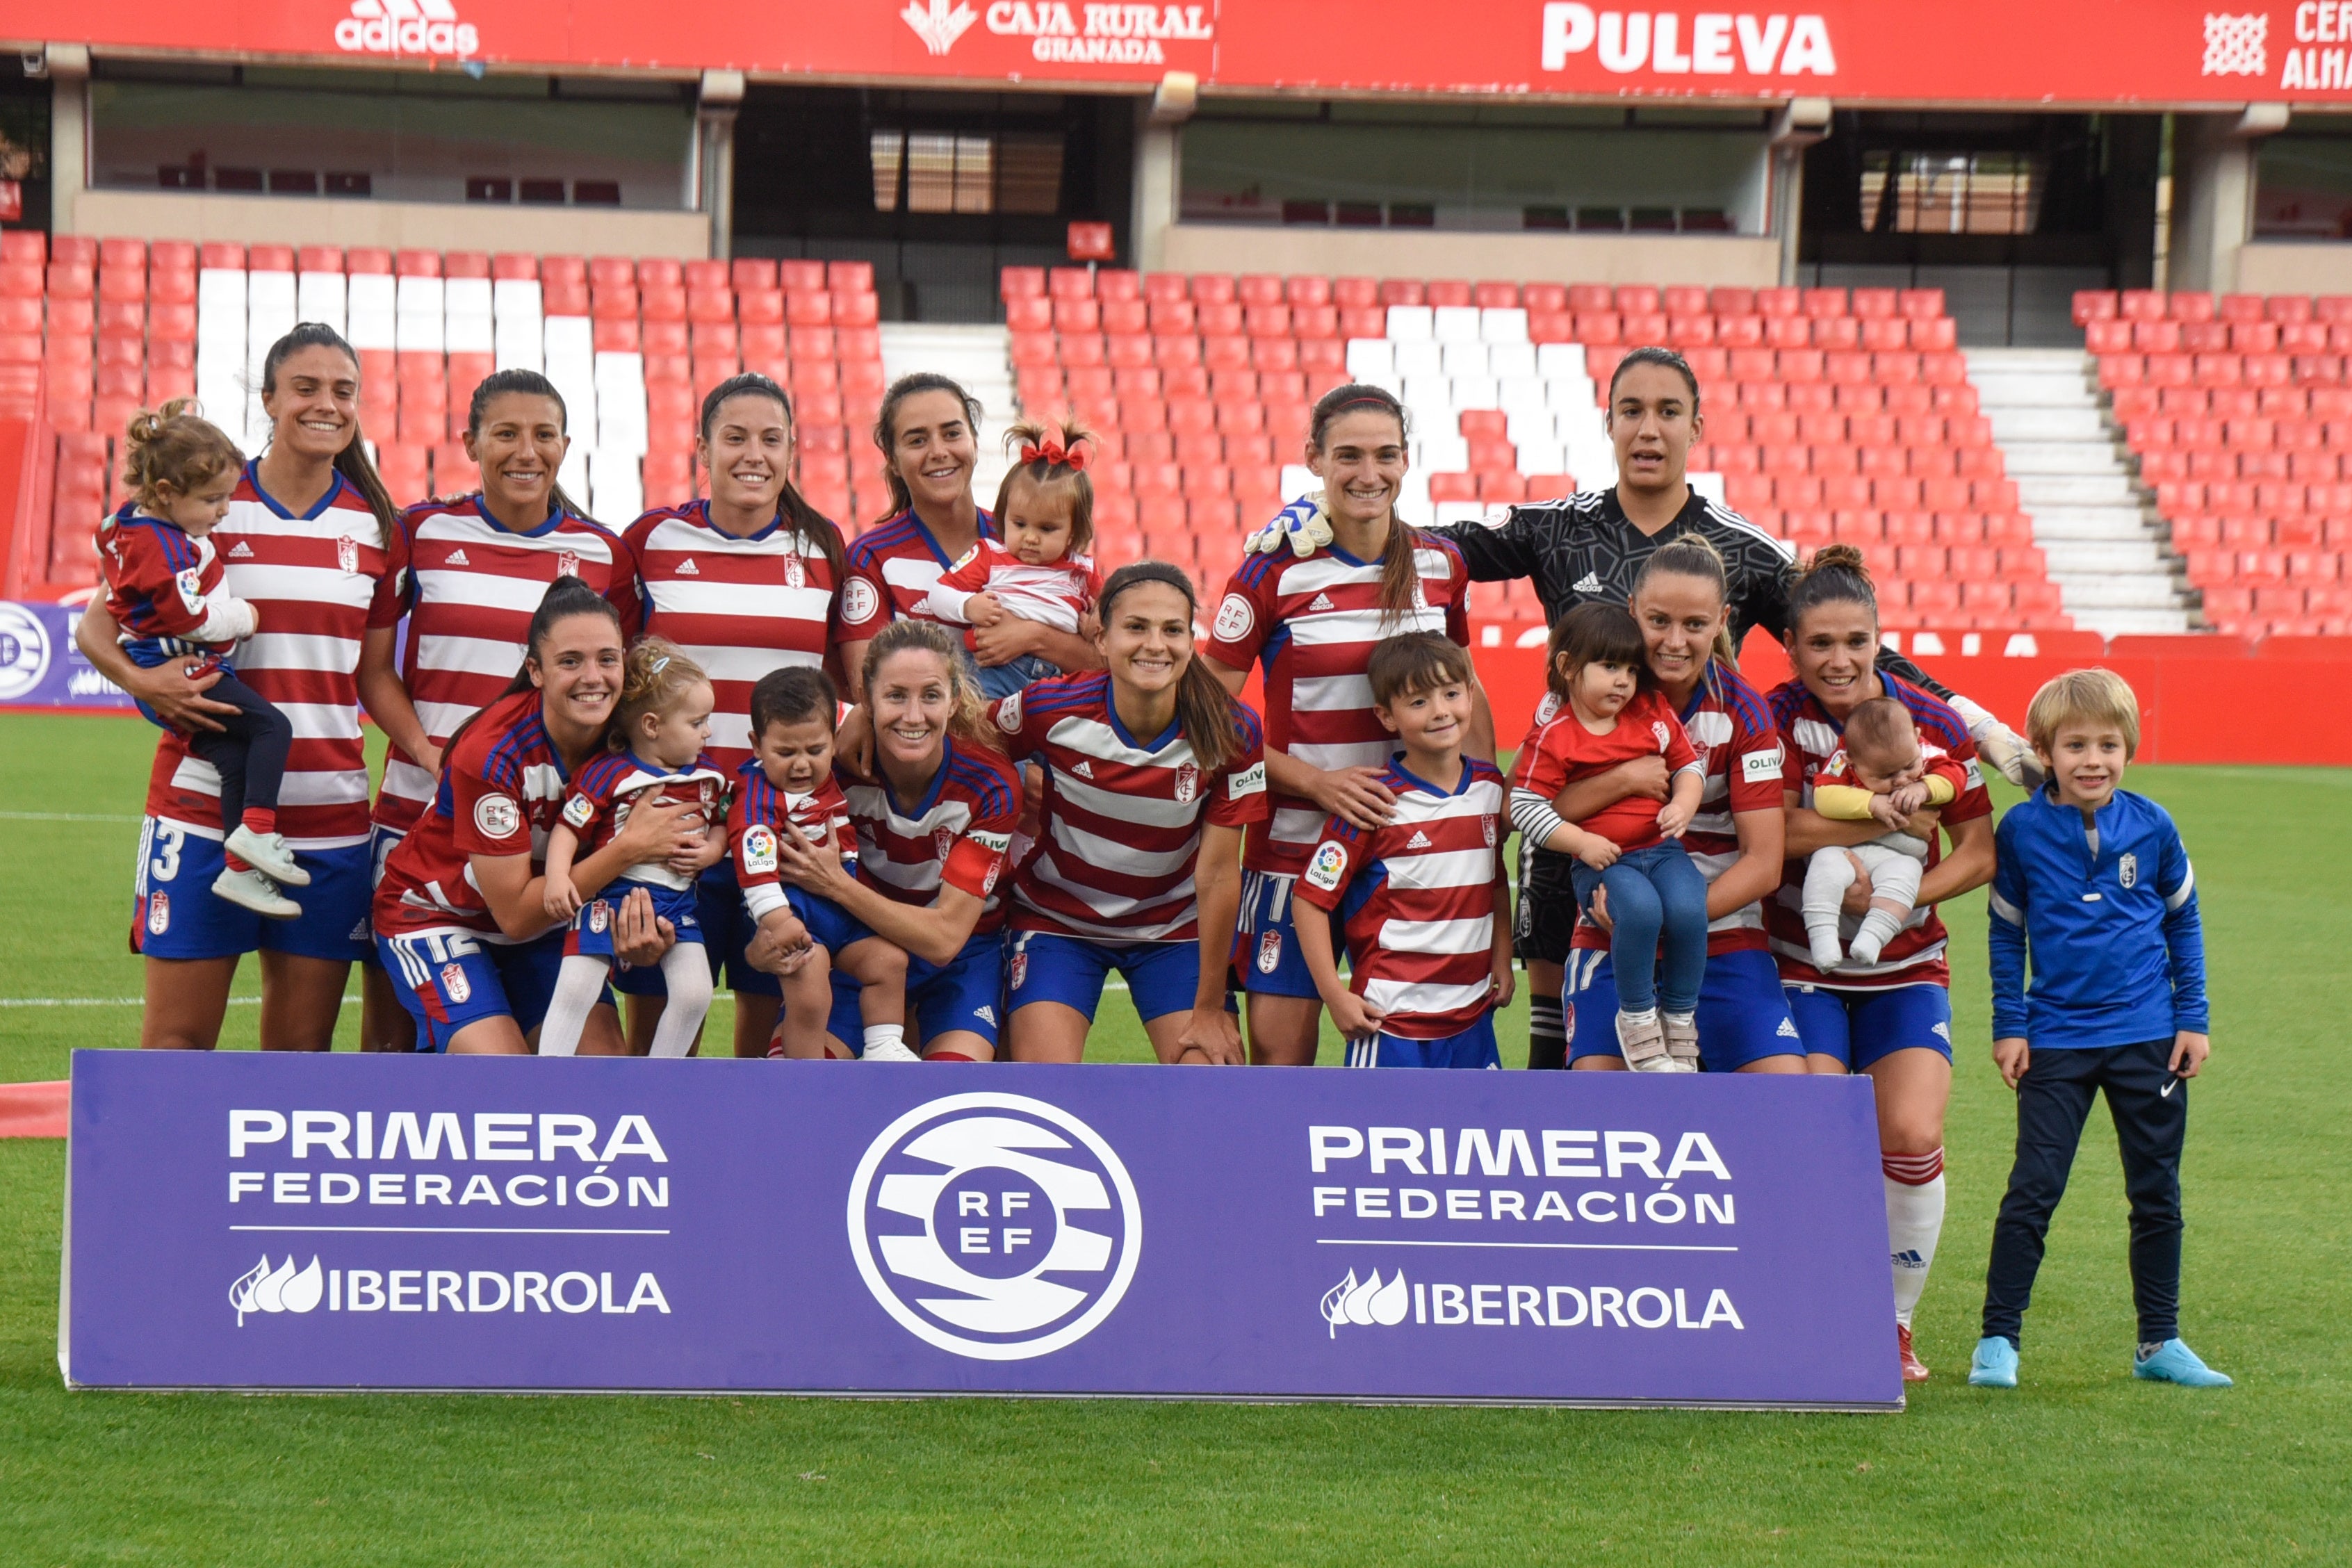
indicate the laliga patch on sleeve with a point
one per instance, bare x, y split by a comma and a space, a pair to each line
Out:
1234, 617
1761, 764
498, 815
577, 811
758, 850
1975, 774
966, 559
859, 603
1251, 780
1328, 867
191, 586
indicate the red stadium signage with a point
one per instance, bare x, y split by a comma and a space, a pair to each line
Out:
2152, 52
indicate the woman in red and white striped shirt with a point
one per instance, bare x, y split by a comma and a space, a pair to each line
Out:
746, 582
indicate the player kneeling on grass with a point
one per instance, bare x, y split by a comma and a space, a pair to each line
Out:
1882, 772
164, 590
1608, 712
2094, 891
657, 739
790, 789
1425, 901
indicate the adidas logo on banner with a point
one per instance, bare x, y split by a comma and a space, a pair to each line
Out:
687, 568
457, 558
1084, 770
1320, 602
1588, 584
1418, 841
406, 27
241, 551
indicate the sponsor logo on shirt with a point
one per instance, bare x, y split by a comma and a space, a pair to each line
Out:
457, 558
1761, 764
1251, 780
1588, 584
1084, 770
859, 603
687, 568
498, 816
759, 848
1419, 840
1320, 602
1330, 865
1234, 617
241, 551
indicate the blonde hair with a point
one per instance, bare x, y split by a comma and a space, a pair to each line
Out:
656, 674
966, 710
1044, 474
2094, 696
176, 448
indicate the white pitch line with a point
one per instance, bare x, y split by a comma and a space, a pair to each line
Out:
1111, 983
63, 816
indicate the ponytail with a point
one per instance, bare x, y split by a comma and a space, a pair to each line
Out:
656, 674
1835, 574
175, 447
1206, 712
1048, 460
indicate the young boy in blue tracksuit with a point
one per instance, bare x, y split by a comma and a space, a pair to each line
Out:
2094, 890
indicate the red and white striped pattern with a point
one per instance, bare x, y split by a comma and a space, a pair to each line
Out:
1120, 825
468, 587
1421, 946
502, 794
311, 580
1314, 623
956, 836
739, 607
1055, 593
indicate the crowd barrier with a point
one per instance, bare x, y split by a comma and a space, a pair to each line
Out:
267, 1221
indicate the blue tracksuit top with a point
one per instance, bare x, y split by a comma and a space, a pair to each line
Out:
2116, 946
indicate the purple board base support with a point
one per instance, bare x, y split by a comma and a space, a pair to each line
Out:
269, 1221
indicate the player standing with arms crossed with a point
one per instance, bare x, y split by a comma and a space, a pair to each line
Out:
1152, 771
304, 543
747, 582
1313, 622
1892, 1019
467, 575
1591, 546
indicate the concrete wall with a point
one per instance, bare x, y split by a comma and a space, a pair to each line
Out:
1731, 259
2296, 267
426, 226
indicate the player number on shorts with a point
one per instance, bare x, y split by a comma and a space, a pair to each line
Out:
165, 864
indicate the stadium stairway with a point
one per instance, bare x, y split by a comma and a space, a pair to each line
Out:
2114, 570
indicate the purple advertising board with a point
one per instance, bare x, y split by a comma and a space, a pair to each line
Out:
357, 1222
40, 666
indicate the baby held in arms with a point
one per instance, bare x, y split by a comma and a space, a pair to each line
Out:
1883, 774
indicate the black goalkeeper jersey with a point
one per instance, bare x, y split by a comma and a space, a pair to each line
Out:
1584, 549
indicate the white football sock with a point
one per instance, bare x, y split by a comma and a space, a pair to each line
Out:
578, 984
685, 974
1915, 1218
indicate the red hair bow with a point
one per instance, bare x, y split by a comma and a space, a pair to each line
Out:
1073, 456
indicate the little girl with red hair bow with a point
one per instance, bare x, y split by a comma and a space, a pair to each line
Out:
1040, 571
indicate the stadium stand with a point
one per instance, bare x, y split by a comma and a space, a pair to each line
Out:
2237, 409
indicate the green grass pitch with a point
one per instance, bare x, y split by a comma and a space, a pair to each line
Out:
2081, 1464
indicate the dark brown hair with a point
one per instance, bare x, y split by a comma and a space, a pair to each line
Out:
1596, 634
886, 430
1879, 723
565, 598
1835, 574
1042, 473
807, 521
521, 383
177, 447
352, 462
1209, 718
1413, 662
1399, 564
790, 695
1671, 358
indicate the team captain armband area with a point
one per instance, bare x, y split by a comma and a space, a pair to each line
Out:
341, 1222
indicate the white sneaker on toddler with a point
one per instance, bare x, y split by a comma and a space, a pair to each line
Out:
888, 1051
267, 854
256, 892
1643, 1042
1681, 1041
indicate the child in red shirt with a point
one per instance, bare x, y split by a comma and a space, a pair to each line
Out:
1605, 710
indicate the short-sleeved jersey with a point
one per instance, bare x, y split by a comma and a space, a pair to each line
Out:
1560, 750
1055, 594
1417, 899
1119, 829
1314, 623
739, 607
958, 834
761, 812
502, 792
891, 571
1729, 725
468, 586
311, 578
163, 588
606, 790
1916, 951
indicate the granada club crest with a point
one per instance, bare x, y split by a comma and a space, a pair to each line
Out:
942, 840
567, 563
347, 555
1487, 823
459, 989
2127, 870
795, 572
1269, 952
1019, 974
1188, 783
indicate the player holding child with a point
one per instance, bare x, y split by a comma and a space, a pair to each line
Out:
164, 589
1425, 899
1885, 775
1041, 571
1609, 712
656, 742
788, 790
2093, 893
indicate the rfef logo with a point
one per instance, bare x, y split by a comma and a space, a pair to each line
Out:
406, 27
994, 1225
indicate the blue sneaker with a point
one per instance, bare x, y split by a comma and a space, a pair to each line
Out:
2174, 1361
1995, 1363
